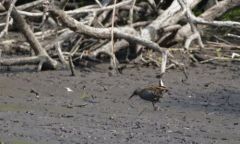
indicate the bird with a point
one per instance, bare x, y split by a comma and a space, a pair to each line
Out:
151, 93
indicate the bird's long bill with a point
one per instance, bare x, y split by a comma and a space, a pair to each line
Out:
131, 96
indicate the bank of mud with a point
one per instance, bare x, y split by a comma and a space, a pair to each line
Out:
38, 108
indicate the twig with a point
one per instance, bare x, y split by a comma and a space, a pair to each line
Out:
112, 37
99, 3
220, 39
233, 36
28, 5
45, 6
131, 13
5, 30
200, 20
172, 28
60, 54
79, 10
63, 4
22, 60
222, 45
220, 58
163, 66
71, 65
196, 35
76, 46
40, 64
25, 6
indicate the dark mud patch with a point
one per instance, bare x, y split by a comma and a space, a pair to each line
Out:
38, 108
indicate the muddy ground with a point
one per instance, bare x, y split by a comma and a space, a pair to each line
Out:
36, 108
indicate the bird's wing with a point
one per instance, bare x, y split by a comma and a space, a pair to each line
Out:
157, 90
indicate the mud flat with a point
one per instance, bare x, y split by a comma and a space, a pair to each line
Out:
37, 108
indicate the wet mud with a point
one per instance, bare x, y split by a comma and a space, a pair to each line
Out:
93, 107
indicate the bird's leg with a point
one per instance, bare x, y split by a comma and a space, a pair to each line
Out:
154, 106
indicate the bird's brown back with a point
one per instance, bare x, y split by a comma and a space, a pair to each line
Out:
157, 90
152, 93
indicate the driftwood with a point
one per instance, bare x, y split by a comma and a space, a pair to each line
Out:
209, 15
107, 28
43, 57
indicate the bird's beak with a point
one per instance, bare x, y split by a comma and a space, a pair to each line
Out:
131, 96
